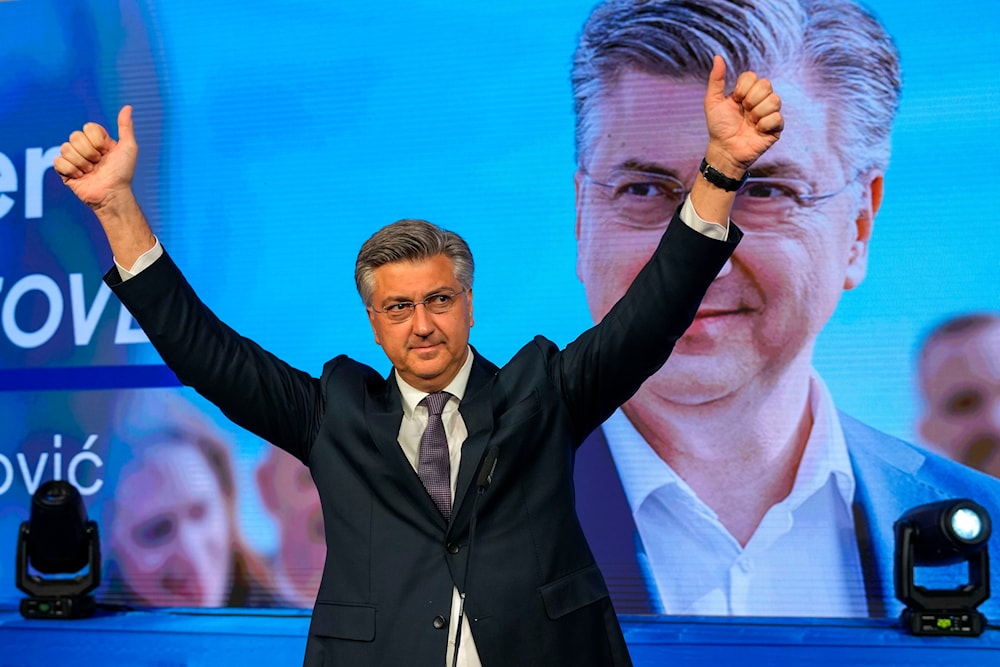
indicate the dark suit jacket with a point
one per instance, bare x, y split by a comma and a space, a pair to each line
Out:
534, 593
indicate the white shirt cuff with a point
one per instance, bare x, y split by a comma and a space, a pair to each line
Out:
143, 262
694, 221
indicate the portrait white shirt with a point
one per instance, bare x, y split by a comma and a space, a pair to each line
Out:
802, 560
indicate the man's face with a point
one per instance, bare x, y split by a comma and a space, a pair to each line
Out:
428, 349
785, 279
171, 533
961, 385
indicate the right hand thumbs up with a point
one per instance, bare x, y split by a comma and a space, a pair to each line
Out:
96, 167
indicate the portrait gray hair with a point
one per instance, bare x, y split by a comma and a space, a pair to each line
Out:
838, 46
410, 240
951, 328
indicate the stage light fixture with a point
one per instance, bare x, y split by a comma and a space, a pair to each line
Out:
943, 533
58, 555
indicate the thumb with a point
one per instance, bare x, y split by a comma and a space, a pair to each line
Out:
126, 131
715, 92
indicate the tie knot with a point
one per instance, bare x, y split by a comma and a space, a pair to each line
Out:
435, 402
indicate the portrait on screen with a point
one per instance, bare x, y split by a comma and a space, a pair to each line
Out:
173, 536
703, 493
289, 496
958, 378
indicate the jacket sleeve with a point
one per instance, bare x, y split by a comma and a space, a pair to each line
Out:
251, 386
607, 364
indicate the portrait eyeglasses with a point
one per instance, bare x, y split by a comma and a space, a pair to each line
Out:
436, 304
647, 200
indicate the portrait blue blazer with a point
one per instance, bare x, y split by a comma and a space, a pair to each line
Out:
891, 477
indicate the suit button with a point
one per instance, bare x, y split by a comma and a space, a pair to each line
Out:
452, 547
439, 622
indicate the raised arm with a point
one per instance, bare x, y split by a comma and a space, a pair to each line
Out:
99, 171
741, 127
607, 364
254, 388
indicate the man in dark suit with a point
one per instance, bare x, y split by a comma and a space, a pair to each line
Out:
403, 463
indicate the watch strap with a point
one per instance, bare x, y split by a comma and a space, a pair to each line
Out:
720, 180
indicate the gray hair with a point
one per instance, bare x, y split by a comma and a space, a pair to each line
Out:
838, 44
410, 241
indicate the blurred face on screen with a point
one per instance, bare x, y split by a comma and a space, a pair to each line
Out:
428, 349
961, 387
171, 535
785, 278
289, 494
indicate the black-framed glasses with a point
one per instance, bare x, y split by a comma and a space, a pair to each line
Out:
647, 200
438, 303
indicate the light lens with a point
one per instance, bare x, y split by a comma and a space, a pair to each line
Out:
966, 524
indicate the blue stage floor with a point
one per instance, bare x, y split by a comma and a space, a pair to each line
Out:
210, 638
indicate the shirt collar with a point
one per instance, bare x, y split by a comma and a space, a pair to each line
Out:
412, 396
643, 472
826, 452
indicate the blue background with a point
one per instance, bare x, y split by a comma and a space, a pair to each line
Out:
276, 137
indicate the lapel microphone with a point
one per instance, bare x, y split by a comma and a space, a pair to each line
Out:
483, 480
486, 471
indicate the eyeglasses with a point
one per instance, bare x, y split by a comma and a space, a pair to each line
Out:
437, 304
648, 200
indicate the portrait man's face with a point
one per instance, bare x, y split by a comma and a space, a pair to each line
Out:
786, 277
961, 386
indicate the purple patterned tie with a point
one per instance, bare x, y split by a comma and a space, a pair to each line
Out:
434, 460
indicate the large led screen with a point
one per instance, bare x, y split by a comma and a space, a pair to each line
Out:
758, 473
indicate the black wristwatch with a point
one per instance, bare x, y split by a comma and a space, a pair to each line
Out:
720, 180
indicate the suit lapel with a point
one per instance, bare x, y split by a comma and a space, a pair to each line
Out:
477, 413
384, 413
886, 486
607, 522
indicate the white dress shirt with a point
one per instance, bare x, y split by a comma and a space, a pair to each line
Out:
410, 429
803, 558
